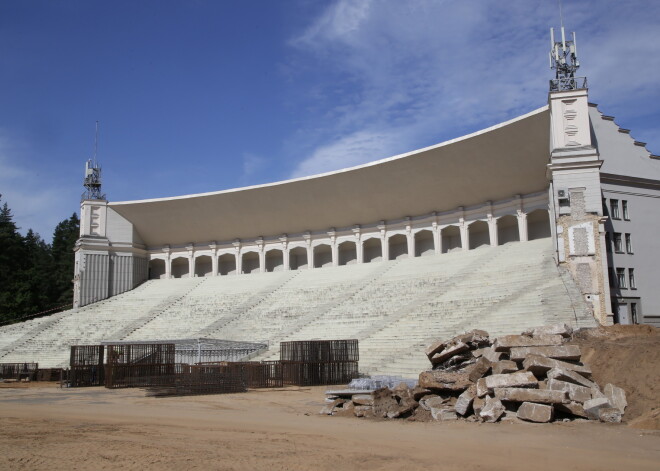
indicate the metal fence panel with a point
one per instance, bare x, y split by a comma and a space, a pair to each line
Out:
86, 366
320, 350
19, 371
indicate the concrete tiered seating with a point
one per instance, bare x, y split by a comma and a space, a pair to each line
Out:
393, 308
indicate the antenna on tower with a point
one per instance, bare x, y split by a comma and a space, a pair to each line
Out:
92, 181
563, 58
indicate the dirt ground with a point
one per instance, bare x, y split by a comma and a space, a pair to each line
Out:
45, 427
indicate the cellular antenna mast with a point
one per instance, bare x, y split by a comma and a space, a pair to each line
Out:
92, 181
563, 58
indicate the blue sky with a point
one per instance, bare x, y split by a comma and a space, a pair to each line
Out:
196, 96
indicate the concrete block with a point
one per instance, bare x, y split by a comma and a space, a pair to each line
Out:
447, 353
507, 342
418, 393
560, 352
533, 412
473, 339
504, 367
328, 409
556, 329
363, 400
521, 379
443, 414
616, 396
384, 402
434, 348
610, 414
444, 380
492, 410
574, 408
541, 365
569, 376
479, 369
490, 354
429, 402
575, 392
363, 411
543, 396
477, 405
465, 400
592, 406
482, 389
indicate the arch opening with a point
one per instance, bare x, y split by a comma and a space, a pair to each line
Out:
398, 247
226, 264
322, 256
538, 224
298, 258
250, 262
372, 250
507, 230
157, 269
203, 266
347, 253
274, 260
479, 234
180, 267
451, 239
424, 244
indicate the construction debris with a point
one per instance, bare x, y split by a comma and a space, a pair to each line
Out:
532, 377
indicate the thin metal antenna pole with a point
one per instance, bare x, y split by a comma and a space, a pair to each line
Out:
561, 15
96, 142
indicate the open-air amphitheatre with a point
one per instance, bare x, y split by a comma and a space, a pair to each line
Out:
436, 261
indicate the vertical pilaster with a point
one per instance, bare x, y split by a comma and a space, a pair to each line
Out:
191, 260
410, 237
359, 250
384, 243
522, 225
333, 246
463, 228
168, 262
214, 258
437, 240
262, 255
238, 256
284, 239
310, 252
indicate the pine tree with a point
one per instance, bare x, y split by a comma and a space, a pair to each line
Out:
64, 239
12, 254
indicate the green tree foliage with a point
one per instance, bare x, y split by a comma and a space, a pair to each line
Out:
34, 276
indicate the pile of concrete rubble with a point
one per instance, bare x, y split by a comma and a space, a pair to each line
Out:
533, 377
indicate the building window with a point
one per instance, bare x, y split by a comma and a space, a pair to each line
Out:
621, 278
608, 243
633, 312
624, 207
618, 247
628, 244
631, 278
614, 207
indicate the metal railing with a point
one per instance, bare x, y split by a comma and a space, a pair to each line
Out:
568, 83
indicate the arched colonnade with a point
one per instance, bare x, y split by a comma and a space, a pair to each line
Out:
385, 243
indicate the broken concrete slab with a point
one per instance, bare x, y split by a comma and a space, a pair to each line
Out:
616, 397
465, 400
556, 329
560, 352
438, 380
434, 348
328, 409
592, 406
383, 402
448, 352
507, 342
574, 408
540, 365
363, 400
478, 404
533, 412
543, 396
504, 367
610, 414
569, 376
492, 410
480, 369
474, 339
362, 411
429, 402
443, 413
520, 379
418, 393
575, 392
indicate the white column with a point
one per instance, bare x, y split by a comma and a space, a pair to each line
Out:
310, 253
384, 243
237, 254
333, 246
358, 244
191, 260
437, 240
214, 259
522, 225
410, 238
492, 230
168, 262
284, 239
262, 255
465, 234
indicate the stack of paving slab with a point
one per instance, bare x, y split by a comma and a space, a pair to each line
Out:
533, 377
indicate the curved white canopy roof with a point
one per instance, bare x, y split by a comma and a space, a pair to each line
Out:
492, 164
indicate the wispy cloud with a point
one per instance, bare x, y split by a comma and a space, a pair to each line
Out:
408, 74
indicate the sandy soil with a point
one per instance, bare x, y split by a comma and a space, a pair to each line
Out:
95, 428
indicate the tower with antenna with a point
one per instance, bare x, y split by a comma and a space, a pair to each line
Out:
92, 181
563, 59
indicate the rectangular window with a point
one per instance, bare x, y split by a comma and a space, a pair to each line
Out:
624, 207
631, 278
628, 244
621, 278
633, 312
608, 242
614, 209
618, 247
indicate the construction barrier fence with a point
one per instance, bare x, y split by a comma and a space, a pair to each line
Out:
86, 365
19, 371
202, 379
320, 351
317, 373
